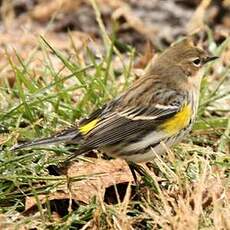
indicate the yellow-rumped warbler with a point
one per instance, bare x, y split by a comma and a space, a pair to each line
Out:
159, 107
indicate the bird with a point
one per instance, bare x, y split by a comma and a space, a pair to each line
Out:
158, 109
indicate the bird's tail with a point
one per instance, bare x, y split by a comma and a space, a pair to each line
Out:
70, 135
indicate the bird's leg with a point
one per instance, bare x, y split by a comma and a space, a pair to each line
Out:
135, 168
146, 177
133, 171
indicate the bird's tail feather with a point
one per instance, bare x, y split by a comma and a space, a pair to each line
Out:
67, 136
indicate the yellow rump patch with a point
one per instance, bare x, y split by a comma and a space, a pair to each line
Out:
88, 127
179, 121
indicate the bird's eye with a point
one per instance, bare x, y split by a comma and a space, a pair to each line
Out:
196, 62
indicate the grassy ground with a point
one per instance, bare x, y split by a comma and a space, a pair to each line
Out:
188, 188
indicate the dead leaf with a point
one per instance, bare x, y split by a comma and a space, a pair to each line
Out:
7, 13
113, 172
45, 10
226, 3
134, 21
100, 174
147, 55
196, 23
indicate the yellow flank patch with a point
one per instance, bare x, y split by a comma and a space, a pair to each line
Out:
88, 127
179, 121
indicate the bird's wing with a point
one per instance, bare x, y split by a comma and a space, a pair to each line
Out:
130, 124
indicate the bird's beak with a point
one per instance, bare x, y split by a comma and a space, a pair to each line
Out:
208, 59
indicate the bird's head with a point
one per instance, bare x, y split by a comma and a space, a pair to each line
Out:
186, 55
181, 61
